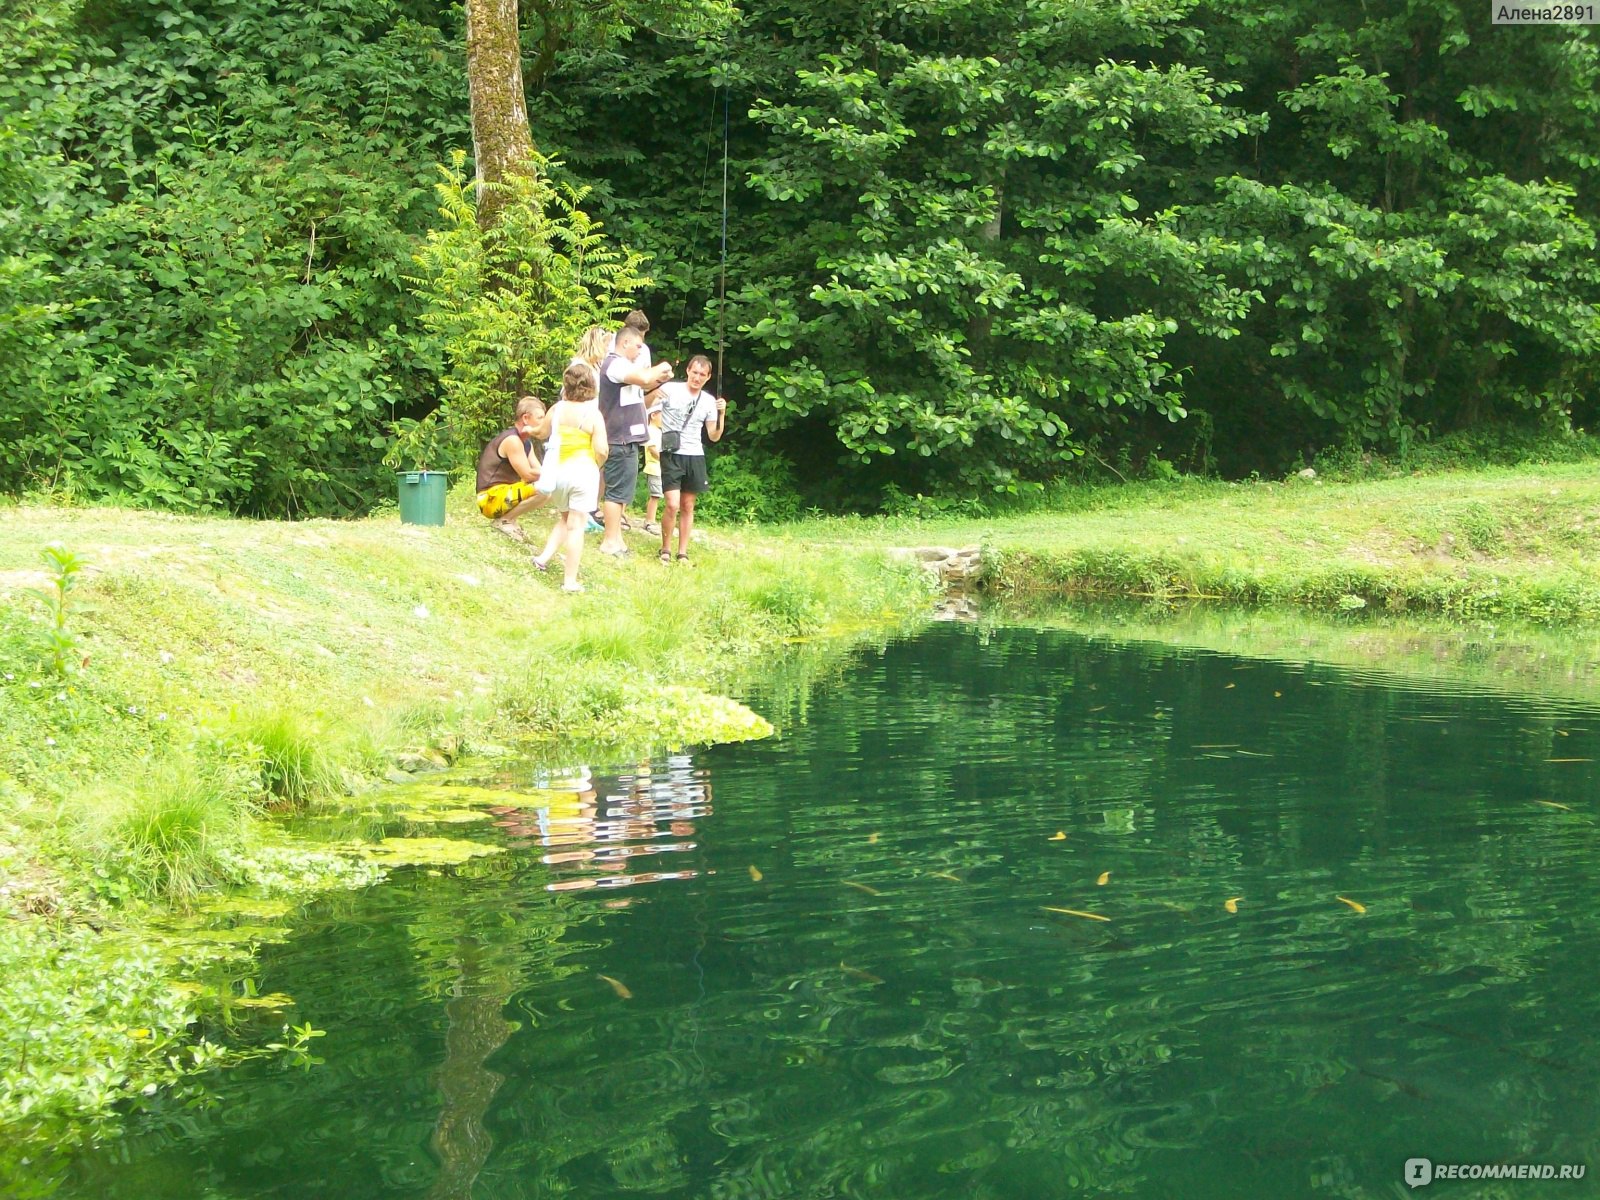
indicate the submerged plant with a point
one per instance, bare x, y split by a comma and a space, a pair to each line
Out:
61, 643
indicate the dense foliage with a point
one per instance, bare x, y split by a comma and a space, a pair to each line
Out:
971, 242
208, 212
507, 303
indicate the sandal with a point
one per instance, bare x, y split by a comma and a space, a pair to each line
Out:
683, 561
666, 557
652, 528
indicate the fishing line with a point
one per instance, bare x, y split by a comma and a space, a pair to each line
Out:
722, 285
700, 206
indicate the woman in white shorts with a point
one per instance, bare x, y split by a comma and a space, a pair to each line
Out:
577, 447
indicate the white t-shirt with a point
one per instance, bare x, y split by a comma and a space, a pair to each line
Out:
676, 401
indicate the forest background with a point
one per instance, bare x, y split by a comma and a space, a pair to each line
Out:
973, 245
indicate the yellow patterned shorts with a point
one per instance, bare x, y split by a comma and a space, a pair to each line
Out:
500, 499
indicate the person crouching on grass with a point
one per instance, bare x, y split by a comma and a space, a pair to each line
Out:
578, 440
508, 469
687, 409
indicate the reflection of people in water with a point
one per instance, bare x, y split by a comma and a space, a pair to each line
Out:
597, 826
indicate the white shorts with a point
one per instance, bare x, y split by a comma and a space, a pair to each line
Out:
581, 490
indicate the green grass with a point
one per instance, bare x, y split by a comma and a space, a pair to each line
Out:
1506, 542
319, 650
294, 761
173, 834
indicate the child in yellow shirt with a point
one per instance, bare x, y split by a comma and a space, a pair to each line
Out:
652, 465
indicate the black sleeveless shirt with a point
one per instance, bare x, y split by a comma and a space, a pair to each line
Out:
493, 469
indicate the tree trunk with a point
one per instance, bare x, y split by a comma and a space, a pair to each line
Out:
501, 138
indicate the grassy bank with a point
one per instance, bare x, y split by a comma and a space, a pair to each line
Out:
208, 674
1524, 664
1518, 542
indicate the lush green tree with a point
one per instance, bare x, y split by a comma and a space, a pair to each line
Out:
507, 300
971, 242
976, 237
1416, 224
235, 194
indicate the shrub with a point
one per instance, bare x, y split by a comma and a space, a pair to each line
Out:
749, 487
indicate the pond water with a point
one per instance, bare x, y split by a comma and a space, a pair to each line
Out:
964, 930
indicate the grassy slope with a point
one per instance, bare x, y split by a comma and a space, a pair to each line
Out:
1513, 541
377, 635
228, 657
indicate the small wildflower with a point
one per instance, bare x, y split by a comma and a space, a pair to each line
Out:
161, 716
49, 741
133, 710
34, 683
166, 656
9, 677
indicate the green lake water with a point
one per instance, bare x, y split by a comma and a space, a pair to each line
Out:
826, 965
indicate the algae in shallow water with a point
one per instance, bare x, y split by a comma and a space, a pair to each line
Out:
261, 909
446, 816
402, 851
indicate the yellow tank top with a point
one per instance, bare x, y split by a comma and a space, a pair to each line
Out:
575, 442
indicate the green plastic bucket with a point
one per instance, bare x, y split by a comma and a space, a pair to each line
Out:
421, 497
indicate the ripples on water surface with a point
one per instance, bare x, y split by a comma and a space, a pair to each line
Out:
844, 977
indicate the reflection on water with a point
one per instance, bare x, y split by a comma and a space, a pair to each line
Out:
1013, 913
596, 825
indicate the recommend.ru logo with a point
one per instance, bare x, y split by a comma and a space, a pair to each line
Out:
1420, 1172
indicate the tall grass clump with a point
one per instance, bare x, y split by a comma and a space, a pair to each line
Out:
173, 836
293, 753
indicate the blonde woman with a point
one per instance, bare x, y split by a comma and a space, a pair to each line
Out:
578, 441
593, 346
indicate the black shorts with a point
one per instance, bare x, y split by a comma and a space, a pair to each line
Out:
683, 473
622, 474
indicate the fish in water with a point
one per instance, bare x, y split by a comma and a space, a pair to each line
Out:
1105, 878
1058, 836
1555, 804
1232, 903
617, 986
862, 887
872, 839
1360, 908
858, 973
755, 873
1073, 912
946, 875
